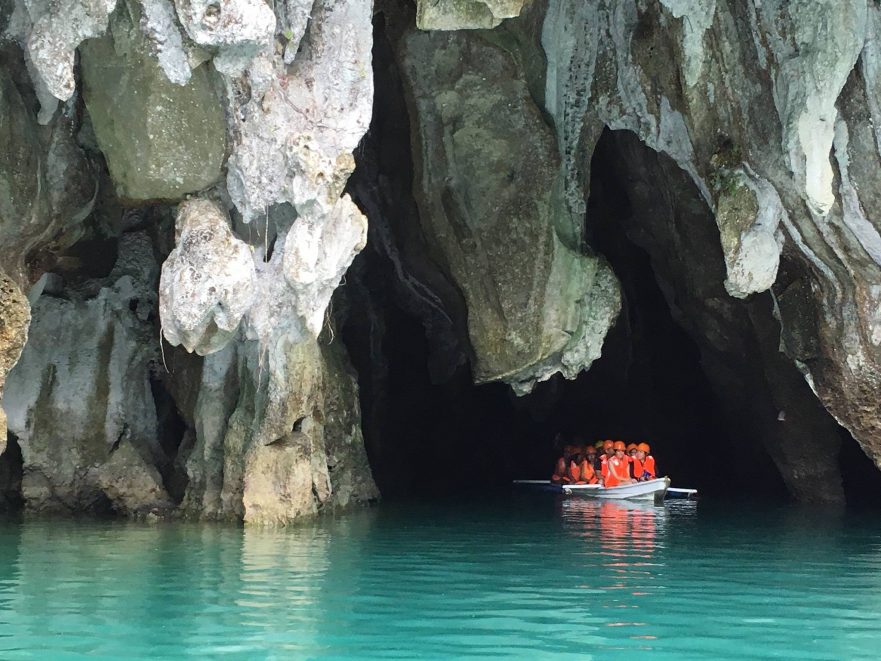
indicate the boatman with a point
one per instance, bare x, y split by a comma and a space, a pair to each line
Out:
617, 467
561, 469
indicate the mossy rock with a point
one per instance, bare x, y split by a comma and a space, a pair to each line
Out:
161, 140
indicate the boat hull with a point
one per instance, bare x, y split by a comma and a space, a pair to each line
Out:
652, 490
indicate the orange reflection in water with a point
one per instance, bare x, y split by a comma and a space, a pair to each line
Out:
624, 539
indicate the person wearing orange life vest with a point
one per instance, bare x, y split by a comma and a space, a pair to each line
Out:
647, 462
608, 452
617, 472
631, 455
561, 469
591, 455
636, 469
586, 473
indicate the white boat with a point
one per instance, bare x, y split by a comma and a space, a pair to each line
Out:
649, 490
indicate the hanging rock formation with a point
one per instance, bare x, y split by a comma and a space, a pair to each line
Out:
488, 190
464, 14
161, 139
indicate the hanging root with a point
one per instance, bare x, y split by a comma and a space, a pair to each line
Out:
328, 321
162, 350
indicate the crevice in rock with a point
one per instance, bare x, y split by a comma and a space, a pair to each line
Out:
172, 429
11, 465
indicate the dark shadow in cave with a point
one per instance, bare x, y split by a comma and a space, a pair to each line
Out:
171, 429
659, 375
11, 466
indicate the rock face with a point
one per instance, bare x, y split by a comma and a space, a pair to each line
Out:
240, 118
464, 14
171, 90
487, 185
274, 461
161, 139
46, 189
15, 317
79, 399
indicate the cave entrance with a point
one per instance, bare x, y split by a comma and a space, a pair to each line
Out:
646, 216
712, 404
429, 430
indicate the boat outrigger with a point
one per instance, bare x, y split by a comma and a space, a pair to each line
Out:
651, 490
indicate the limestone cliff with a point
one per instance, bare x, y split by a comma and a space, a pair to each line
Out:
239, 122
175, 216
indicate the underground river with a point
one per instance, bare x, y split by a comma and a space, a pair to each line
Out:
527, 575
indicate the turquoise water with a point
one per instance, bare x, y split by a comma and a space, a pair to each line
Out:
534, 577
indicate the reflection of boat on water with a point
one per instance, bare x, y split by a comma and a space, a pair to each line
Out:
651, 490
591, 505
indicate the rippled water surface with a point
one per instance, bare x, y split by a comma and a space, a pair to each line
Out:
534, 577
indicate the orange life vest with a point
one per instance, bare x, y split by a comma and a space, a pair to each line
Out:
617, 472
648, 466
588, 474
636, 464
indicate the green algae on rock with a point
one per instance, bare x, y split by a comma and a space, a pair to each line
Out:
161, 140
464, 14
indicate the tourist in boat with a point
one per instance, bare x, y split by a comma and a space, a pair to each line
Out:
583, 472
636, 469
608, 451
647, 462
631, 455
591, 454
579, 471
561, 468
617, 467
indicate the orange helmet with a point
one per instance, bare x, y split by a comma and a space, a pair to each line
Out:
607, 445
589, 448
619, 445
644, 447
631, 447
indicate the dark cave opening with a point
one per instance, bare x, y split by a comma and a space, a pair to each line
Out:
172, 429
656, 368
428, 429
11, 467
714, 408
